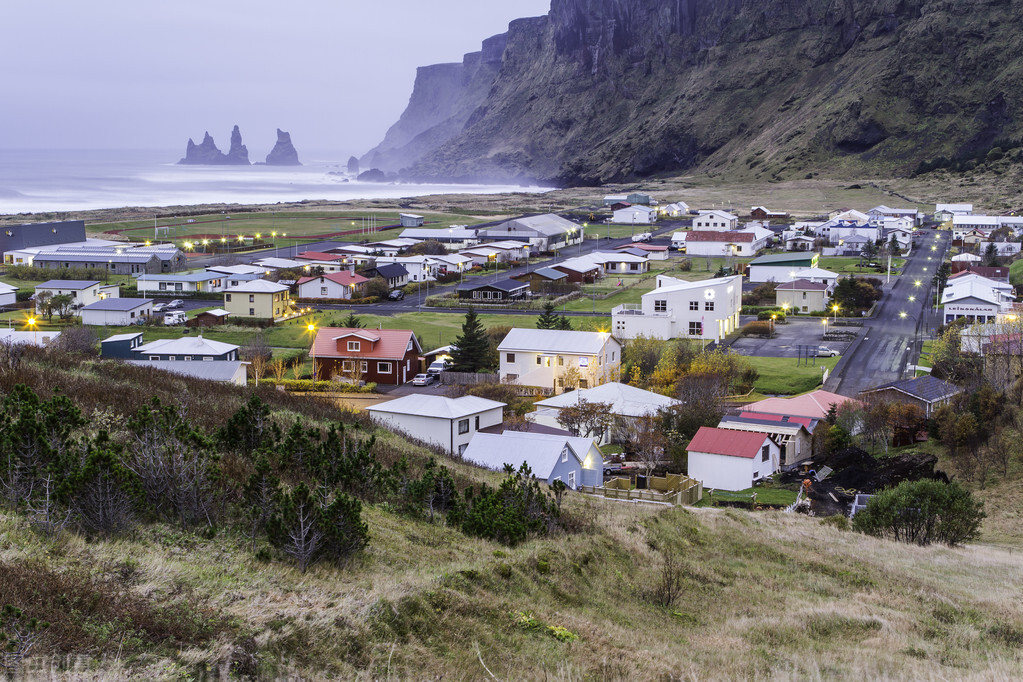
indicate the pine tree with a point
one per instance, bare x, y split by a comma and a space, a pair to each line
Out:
473, 347
991, 255
547, 320
564, 323
352, 321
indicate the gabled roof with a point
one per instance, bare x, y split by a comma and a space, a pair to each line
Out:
754, 423
345, 278
553, 341
439, 406
961, 290
257, 286
546, 273
118, 304
927, 388
201, 276
967, 257
507, 285
728, 442
540, 451
784, 258
73, 284
122, 337
724, 215
237, 269
215, 312
602, 257
813, 404
391, 270
625, 400
810, 273
317, 255
729, 236
547, 224
577, 265
803, 285
186, 345
391, 344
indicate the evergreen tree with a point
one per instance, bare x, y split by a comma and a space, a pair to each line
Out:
473, 347
564, 323
548, 319
991, 255
352, 321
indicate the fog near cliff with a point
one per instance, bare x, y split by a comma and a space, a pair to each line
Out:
130, 74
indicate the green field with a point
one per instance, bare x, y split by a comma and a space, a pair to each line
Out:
1016, 273
850, 266
781, 376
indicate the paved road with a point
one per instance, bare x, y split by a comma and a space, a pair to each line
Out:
892, 338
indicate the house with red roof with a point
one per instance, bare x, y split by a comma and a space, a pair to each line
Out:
814, 404
383, 356
342, 284
726, 459
794, 435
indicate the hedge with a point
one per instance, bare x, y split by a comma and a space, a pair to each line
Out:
304, 385
313, 302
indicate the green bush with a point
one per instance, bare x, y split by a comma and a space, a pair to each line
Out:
922, 512
779, 315
757, 329
304, 385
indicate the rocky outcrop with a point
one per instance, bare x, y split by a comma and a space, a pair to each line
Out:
372, 175
614, 90
353, 165
283, 153
207, 153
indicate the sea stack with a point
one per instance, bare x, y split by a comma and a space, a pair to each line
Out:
238, 154
208, 154
283, 153
353, 165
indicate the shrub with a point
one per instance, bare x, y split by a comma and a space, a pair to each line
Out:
778, 315
922, 512
759, 328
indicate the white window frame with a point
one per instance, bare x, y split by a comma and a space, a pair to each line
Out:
354, 346
384, 368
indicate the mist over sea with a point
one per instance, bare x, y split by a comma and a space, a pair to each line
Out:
40, 181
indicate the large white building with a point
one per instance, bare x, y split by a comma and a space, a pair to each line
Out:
977, 299
706, 309
718, 221
449, 423
82, 292
635, 215
558, 359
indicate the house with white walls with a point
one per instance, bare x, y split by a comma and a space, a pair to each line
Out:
558, 359
706, 309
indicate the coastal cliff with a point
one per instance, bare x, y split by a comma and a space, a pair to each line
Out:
614, 90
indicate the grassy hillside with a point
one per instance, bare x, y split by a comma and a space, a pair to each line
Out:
760, 595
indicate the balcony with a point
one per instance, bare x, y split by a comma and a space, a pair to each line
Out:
635, 309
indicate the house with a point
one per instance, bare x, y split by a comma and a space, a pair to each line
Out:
395, 275
574, 461
579, 270
814, 404
879, 213
651, 251
501, 291
546, 232
331, 262
820, 275
258, 298
35, 338
800, 242
945, 212
966, 258
120, 346
926, 392
392, 247
635, 215
209, 318
852, 245
802, 296
382, 356
544, 280
678, 240
486, 255
82, 292
117, 311
976, 298
8, 294
727, 459
168, 285
762, 213
640, 198
333, 285
975, 237
732, 243
627, 403
449, 423
233, 372
962, 224
452, 263
557, 359
186, 349
619, 263
419, 268
1002, 249
780, 267
996, 274
716, 221
841, 233
456, 236
794, 435
675, 209
410, 220
705, 309
242, 269
849, 215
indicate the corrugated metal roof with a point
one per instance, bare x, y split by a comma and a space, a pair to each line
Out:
730, 236
118, 304
727, 442
343, 278
436, 406
315, 255
814, 404
625, 400
391, 343
75, 284
540, 451
553, 341
214, 371
186, 345
258, 286
803, 285
927, 388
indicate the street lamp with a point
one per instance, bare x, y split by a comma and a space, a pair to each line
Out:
834, 309
773, 318
825, 321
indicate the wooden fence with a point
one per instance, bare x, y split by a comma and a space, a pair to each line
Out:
671, 489
467, 378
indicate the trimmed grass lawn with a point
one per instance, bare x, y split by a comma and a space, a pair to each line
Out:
925, 354
766, 494
1016, 273
849, 266
781, 376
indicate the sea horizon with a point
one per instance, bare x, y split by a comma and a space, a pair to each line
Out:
61, 180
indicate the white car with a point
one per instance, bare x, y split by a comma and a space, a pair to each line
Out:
159, 307
642, 237
422, 380
825, 352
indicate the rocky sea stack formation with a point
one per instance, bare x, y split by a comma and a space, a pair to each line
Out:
283, 153
207, 153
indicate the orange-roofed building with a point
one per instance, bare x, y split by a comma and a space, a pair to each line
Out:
814, 404
383, 356
731, 460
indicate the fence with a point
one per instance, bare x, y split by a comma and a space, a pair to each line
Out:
671, 489
467, 378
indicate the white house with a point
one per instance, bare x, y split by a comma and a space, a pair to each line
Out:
635, 214
181, 283
619, 263
839, 233
449, 423
964, 224
678, 240
625, 401
332, 285
676, 209
718, 221
543, 232
731, 460
117, 311
82, 292
35, 338
977, 299
1003, 249
706, 309
732, 243
186, 349
574, 461
879, 213
8, 294
945, 212
419, 268
557, 359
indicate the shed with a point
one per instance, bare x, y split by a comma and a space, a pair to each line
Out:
117, 311
120, 345
446, 422
411, 220
731, 460
209, 318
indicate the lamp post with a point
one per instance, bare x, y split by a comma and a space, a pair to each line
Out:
834, 309
311, 328
773, 318
825, 321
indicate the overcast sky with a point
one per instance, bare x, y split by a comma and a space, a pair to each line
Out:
149, 75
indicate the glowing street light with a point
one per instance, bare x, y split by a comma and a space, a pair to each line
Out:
834, 309
902, 315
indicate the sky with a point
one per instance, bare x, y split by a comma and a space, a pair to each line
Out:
133, 74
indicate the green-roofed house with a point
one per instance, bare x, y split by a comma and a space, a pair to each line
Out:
781, 267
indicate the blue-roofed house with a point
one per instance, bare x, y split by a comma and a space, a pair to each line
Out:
574, 461
926, 392
544, 280
186, 349
394, 274
117, 312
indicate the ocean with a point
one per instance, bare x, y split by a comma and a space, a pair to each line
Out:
42, 181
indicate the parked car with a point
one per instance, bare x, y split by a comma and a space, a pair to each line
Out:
159, 307
176, 303
422, 380
642, 237
396, 295
437, 367
825, 352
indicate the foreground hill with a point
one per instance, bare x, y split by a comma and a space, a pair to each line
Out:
611, 90
760, 595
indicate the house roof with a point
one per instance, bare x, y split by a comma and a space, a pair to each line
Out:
345, 278
527, 427
75, 284
547, 224
201, 276
540, 451
122, 337
390, 344
616, 257
506, 285
765, 425
724, 215
237, 269
728, 442
546, 273
927, 388
94, 256
810, 273
439, 406
807, 422
642, 246
319, 255
215, 312
553, 341
197, 369
997, 274
726, 237
971, 257
391, 270
813, 404
186, 345
803, 285
577, 265
682, 285
783, 259
625, 400
280, 263
258, 286
961, 290
118, 304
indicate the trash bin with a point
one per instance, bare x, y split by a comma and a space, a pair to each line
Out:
640, 482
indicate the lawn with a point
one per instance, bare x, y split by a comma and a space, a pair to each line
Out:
850, 266
766, 494
1016, 273
782, 376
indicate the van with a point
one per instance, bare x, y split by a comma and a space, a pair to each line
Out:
175, 317
642, 237
437, 367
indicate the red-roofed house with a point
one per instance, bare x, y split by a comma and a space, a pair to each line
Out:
729, 243
332, 285
384, 356
814, 404
725, 459
320, 256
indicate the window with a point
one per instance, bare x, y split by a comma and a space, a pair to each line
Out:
805, 309
347, 365
207, 358
584, 383
584, 362
462, 447
564, 454
571, 480
354, 345
634, 266
187, 358
561, 361
154, 357
709, 305
172, 357
177, 286
538, 360
477, 422
132, 314
228, 297
323, 291
695, 328
252, 312
765, 453
463, 426
660, 306
252, 298
804, 295
694, 305
363, 366
509, 357
163, 287
384, 367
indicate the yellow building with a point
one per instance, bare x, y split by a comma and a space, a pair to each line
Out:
258, 298
801, 296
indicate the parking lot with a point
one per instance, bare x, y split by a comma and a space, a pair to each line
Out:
805, 332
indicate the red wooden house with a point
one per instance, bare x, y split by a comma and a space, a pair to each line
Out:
383, 356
